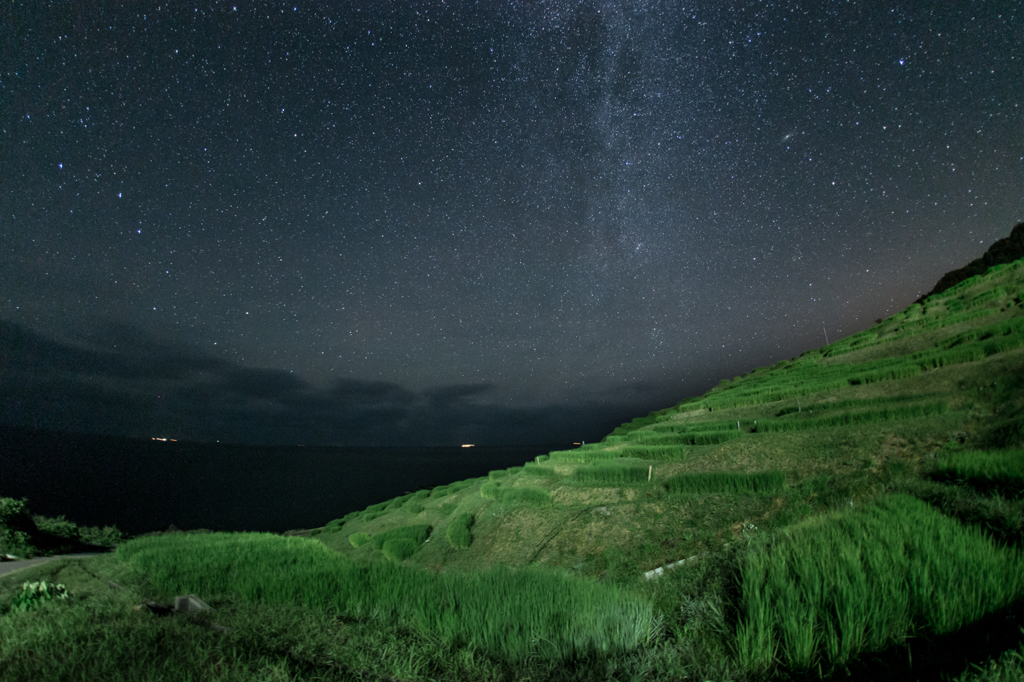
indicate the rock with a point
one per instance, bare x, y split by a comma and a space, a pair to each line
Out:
190, 603
158, 608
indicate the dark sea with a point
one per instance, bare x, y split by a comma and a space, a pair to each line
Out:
145, 485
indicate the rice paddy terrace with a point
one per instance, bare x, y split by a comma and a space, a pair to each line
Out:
820, 517
836, 427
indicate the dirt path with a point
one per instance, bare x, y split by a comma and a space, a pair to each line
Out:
11, 566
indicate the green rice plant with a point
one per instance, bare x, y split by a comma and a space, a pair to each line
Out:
399, 549
847, 404
1008, 667
1011, 327
440, 491
397, 502
949, 320
611, 473
601, 455
641, 422
851, 418
999, 469
496, 475
459, 486
413, 507
764, 482
543, 458
697, 427
448, 507
491, 491
366, 517
421, 494
513, 615
358, 539
658, 437
458, 532
417, 534
380, 506
580, 455
532, 469
817, 594
669, 453
988, 298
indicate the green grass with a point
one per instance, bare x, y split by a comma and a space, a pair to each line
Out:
824, 591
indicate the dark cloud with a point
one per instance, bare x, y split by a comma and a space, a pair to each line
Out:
117, 382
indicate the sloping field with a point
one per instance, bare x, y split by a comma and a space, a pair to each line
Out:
811, 517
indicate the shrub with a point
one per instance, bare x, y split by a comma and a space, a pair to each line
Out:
33, 594
108, 536
458, 531
59, 527
358, 539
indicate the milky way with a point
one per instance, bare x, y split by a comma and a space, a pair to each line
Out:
453, 222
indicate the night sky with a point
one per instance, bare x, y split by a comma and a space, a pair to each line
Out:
388, 223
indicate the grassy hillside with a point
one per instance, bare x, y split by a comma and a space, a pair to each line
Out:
856, 510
